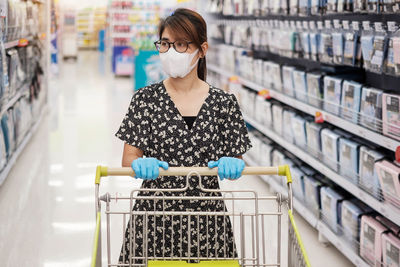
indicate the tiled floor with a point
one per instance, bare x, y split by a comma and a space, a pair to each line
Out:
47, 203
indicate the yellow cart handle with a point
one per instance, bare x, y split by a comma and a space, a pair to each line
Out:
203, 171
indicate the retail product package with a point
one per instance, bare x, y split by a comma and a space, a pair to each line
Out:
391, 6
373, 6
3, 150
300, 85
360, 5
351, 100
390, 249
337, 42
332, 94
314, 41
258, 71
305, 40
325, 46
276, 76
391, 115
4, 80
352, 211
331, 201
313, 133
331, 6
298, 183
278, 158
371, 109
263, 112
277, 113
349, 159
266, 152
368, 177
288, 117
392, 60
330, 148
352, 47
304, 7
316, 7
294, 7
254, 152
389, 179
379, 49
315, 89
367, 44
312, 189
12, 55
394, 228
299, 131
249, 104
8, 133
267, 77
287, 79
371, 240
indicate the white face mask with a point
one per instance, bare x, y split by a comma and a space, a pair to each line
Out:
178, 64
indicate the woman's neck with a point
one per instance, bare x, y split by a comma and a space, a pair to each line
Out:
186, 84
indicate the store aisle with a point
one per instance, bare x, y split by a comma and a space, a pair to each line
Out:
47, 202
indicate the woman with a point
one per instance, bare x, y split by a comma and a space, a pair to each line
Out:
182, 121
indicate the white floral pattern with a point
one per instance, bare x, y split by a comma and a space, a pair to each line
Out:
154, 125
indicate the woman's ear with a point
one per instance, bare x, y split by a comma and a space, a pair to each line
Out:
204, 48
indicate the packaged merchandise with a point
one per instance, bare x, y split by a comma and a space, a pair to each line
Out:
391, 115
352, 46
263, 112
304, 7
390, 6
254, 152
372, 6
298, 183
3, 151
305, 40
287, 78
351, 100
368, 177
316, 7
315, 89
326, 46
276, 76
312, 187
367, 44
394, 228
337, 43
392, 60
379, 49
4, 79
330, 148
314, 40
331, 6
331, 201
267, 77
390, 249
352, 211
277, 113
371, 109
360, 5
349, 158
300, 85
389, 179
313, 132
299, 131
257, 76
266, 152
371, 240
294, 7
8, 133
278, 158
332, 94
288, 117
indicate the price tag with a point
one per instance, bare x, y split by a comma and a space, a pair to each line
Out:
234, 79
398, 154
319, 117
23, 42
265, 93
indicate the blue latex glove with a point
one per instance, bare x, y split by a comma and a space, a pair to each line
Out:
228, 168
148, 168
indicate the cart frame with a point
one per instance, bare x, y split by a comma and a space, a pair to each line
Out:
297, 255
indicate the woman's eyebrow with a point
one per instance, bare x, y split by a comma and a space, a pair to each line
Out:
165, 39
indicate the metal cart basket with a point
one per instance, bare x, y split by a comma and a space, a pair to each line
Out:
260, 239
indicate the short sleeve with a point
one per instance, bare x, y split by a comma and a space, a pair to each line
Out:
235, 133
135, 128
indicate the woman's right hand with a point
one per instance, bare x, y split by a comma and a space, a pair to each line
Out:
148, 168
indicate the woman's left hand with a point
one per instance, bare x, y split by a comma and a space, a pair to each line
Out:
228, 168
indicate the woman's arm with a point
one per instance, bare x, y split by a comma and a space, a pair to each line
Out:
130, 154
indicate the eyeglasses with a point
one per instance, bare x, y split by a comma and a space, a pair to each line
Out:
180, 46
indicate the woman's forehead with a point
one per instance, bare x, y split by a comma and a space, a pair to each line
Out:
172, 36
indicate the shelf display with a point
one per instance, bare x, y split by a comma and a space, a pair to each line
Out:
89, 22
23, 61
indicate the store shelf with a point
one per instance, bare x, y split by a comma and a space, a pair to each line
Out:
15, 43
13, 159
358, 130
322, 228
11, 102
385, 209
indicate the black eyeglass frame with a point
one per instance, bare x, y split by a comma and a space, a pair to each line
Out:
173, 44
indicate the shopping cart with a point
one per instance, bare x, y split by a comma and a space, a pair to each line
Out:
253, 228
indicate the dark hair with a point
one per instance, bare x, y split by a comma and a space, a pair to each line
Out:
190, 25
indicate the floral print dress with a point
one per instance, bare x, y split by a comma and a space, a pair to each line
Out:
154, 125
